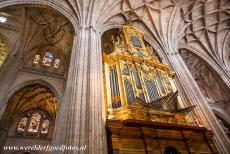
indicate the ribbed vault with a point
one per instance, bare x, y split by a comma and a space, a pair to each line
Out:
199, 24
171, 25
39, 29
210, 83
31, 97
208, 29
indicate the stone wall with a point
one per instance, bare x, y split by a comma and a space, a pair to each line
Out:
81, 112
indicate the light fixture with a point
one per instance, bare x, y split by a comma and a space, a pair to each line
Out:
2, 19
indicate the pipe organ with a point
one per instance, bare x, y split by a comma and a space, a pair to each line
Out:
134, 74
139, 79
143, 111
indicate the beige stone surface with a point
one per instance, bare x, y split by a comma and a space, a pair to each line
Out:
183, 32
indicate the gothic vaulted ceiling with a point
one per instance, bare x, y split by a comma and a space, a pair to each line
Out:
212, 87
200, 25
32, 97
39, 29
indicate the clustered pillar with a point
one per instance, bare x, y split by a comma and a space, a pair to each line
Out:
80, 121
195, 97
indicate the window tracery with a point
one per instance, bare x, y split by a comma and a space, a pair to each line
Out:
57, 63
36, 59
33, 123
48, 60
45, 126
22, 124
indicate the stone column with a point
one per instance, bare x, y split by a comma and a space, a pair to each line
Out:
8, 74
80, 118
188, 85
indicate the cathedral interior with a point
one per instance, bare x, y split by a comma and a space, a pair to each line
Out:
118, 77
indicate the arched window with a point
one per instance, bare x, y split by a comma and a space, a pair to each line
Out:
57, 63
33, 123
22, 124
47, 59
171, 150
36, 59
45, 126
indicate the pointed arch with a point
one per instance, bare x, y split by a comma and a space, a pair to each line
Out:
52, 4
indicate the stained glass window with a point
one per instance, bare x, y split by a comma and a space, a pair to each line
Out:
57, 63
36, 59
136, 41
47, 59
22, 124
45, 126
34, 123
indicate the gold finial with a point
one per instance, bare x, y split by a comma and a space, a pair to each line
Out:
129, 23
